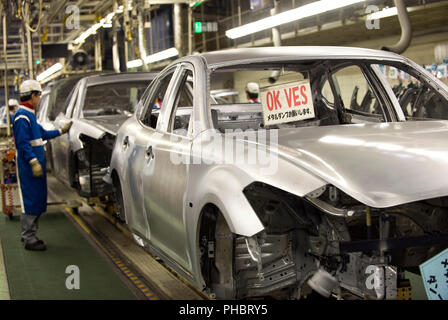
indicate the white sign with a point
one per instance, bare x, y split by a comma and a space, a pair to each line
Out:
287, 102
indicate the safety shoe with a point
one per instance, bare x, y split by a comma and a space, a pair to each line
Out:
36, 246
38, 240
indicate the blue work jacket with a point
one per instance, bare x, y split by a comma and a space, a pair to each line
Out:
29, 137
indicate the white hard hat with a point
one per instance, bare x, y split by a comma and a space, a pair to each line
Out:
13, 102
28, 86
252, 87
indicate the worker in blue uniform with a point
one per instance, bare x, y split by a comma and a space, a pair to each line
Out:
13, 106
29, 137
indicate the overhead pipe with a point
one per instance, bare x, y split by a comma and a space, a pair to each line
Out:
406, 29
277, 41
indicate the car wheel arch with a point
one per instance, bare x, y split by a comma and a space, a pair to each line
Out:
214, 228
116, 182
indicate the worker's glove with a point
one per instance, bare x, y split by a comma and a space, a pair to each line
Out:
36, 168
65, 128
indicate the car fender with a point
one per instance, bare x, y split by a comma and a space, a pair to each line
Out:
81, 128
222, 186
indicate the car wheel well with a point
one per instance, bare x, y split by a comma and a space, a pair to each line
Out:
216, 245
73, 170
118, 196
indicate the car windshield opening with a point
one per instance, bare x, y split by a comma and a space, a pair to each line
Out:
418, 99
294, 94
118, 98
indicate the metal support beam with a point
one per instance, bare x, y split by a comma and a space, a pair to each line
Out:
30, 54
98, 55
276, 39
178, 29
115, 54
392, 243
8, 129
141, 37
204, 43
190, 40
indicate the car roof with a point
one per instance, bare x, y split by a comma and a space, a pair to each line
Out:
253, 55
120, 77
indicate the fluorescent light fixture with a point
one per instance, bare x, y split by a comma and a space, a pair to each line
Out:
299, 13
134, 64
104, 22
53, 69
162, 55
388, 12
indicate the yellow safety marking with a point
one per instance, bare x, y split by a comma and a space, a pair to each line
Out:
117, 262
142, 287
81, 224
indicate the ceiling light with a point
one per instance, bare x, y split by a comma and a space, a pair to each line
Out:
299, 13
388, 12
162, 55
134, 64
53, 69
105, 23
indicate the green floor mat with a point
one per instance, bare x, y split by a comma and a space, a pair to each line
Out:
42, 275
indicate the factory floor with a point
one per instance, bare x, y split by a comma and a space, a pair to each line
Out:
53, 274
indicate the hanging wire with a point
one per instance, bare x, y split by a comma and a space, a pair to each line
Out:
24, 9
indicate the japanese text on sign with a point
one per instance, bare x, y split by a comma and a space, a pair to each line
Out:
435, 276
287, 102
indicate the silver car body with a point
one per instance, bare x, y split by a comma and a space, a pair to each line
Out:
164, 203
96, 131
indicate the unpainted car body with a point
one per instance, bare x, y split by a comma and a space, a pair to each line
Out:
97, 106
353, 187
52, 102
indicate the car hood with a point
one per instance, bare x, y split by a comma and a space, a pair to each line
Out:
380, 165
109, 124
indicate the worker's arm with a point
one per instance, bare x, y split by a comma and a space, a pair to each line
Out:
22, 137
49, 134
